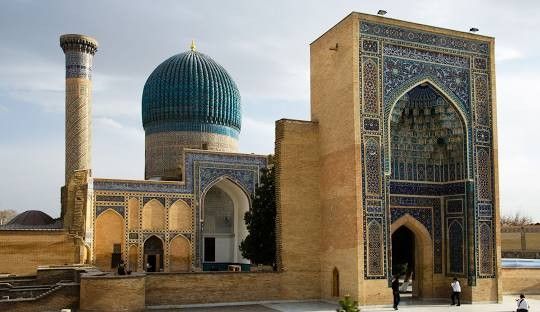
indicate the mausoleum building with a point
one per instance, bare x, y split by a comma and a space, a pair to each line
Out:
395, 173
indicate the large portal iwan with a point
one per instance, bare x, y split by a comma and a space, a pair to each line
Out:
224, 228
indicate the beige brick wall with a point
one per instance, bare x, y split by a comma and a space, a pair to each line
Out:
520, 241
486, 290
532, 240
510, 241
520, 280
21, 252
299, 212
335, 106
112, 293
214, 287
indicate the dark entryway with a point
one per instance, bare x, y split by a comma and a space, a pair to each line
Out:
153, 254
403, 262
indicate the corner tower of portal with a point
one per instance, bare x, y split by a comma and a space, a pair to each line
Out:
335, 107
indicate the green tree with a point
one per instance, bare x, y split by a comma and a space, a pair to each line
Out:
260, 244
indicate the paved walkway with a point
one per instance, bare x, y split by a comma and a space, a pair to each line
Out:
508, 305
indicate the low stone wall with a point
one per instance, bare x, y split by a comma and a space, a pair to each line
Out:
211, 287
520, 280
21, 252
108, 292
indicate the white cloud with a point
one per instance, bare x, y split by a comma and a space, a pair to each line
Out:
517, 128
257, 136
35, 168
503, 53
107, 122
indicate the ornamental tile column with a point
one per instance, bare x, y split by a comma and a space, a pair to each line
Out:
79, 51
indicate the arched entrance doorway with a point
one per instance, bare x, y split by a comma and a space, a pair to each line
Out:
224, 228
403, 257
153, 254
412, 245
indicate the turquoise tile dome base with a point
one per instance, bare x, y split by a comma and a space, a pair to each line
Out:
191, 92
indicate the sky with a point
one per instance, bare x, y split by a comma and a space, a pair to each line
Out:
264, 45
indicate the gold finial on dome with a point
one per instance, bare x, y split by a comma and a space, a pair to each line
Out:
193, 47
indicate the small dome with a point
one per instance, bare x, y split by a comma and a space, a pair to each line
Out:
31, 218
191, 92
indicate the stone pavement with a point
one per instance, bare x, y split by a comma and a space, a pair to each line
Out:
508, 305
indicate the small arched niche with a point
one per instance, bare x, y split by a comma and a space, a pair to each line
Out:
335, 282
179, 254
180, 217
153, 216
109, 239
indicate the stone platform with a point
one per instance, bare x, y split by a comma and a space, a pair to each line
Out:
407, 305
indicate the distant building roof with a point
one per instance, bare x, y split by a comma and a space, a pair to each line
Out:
32, 219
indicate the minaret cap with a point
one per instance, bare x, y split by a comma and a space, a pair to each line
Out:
193, 47
78, 42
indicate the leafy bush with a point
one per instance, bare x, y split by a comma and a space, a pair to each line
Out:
348, 305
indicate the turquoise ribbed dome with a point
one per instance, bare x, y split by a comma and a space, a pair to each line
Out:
191, 92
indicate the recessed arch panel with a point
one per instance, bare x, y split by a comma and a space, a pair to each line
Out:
153, 216
109, 232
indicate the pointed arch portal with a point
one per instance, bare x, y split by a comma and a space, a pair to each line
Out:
412, 254
153, 254
224, 206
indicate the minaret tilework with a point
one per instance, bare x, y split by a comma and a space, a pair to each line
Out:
79, 51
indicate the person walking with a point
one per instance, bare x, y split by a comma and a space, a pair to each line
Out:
395, 291
456, 291
522, 304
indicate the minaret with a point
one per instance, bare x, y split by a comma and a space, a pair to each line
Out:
79, 51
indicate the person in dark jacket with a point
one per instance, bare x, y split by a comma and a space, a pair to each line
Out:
121, 268
395, 291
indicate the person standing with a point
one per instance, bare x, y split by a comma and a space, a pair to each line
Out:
522, 304
395, 291
456, 291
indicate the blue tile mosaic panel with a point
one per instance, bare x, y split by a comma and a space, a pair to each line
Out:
395, 60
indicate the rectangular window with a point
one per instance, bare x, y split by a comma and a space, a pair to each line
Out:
209, 249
